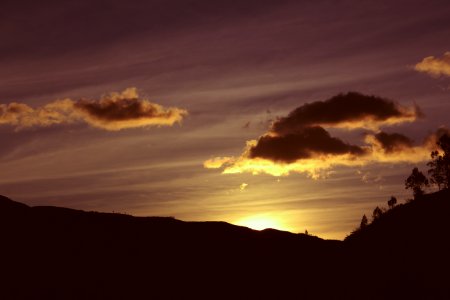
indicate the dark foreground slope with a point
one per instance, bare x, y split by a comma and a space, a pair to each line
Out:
58, 253
406, 251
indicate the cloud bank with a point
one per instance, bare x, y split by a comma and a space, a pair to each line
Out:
300, 143
115, 111
435, 66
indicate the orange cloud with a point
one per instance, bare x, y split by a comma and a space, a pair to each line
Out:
319, 165
21, 115
435, 66
299, 144
314, 167
115, 111
216, 162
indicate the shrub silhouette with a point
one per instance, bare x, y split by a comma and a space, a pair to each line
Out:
416, 181
377, 212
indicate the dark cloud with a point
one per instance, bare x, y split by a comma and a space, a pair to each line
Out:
126, 110
392, 142
352, 110
306, 143
300, 143
300, 135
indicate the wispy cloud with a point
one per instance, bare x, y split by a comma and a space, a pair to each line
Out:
435, 66
243, 186
114, 111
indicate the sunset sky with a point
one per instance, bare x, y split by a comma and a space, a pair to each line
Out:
271, 113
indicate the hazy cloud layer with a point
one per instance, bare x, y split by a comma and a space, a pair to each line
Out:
300, 143
435, 66
115, 111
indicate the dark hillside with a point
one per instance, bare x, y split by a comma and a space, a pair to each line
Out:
421, 220
406, 250
60, 253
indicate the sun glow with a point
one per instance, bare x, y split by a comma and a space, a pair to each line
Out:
260, 222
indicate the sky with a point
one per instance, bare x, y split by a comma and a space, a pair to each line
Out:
298, 115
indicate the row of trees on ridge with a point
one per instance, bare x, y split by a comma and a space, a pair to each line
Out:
439, 172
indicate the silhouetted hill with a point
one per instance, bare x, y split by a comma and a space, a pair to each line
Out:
408, 247
9, 206
424, 219
60, 253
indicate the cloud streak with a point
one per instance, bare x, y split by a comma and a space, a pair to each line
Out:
112, 112
435, 66
300, 143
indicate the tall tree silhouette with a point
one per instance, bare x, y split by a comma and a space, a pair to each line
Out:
440, 164
416, 181
436, 171
364, 222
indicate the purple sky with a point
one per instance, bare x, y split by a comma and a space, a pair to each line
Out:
234, 68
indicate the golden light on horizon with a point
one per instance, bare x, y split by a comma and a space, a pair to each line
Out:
261, 222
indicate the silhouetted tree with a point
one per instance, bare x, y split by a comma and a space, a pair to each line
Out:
392, 202
416, 181
440, 163
437, 170
364, 222
377, 212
